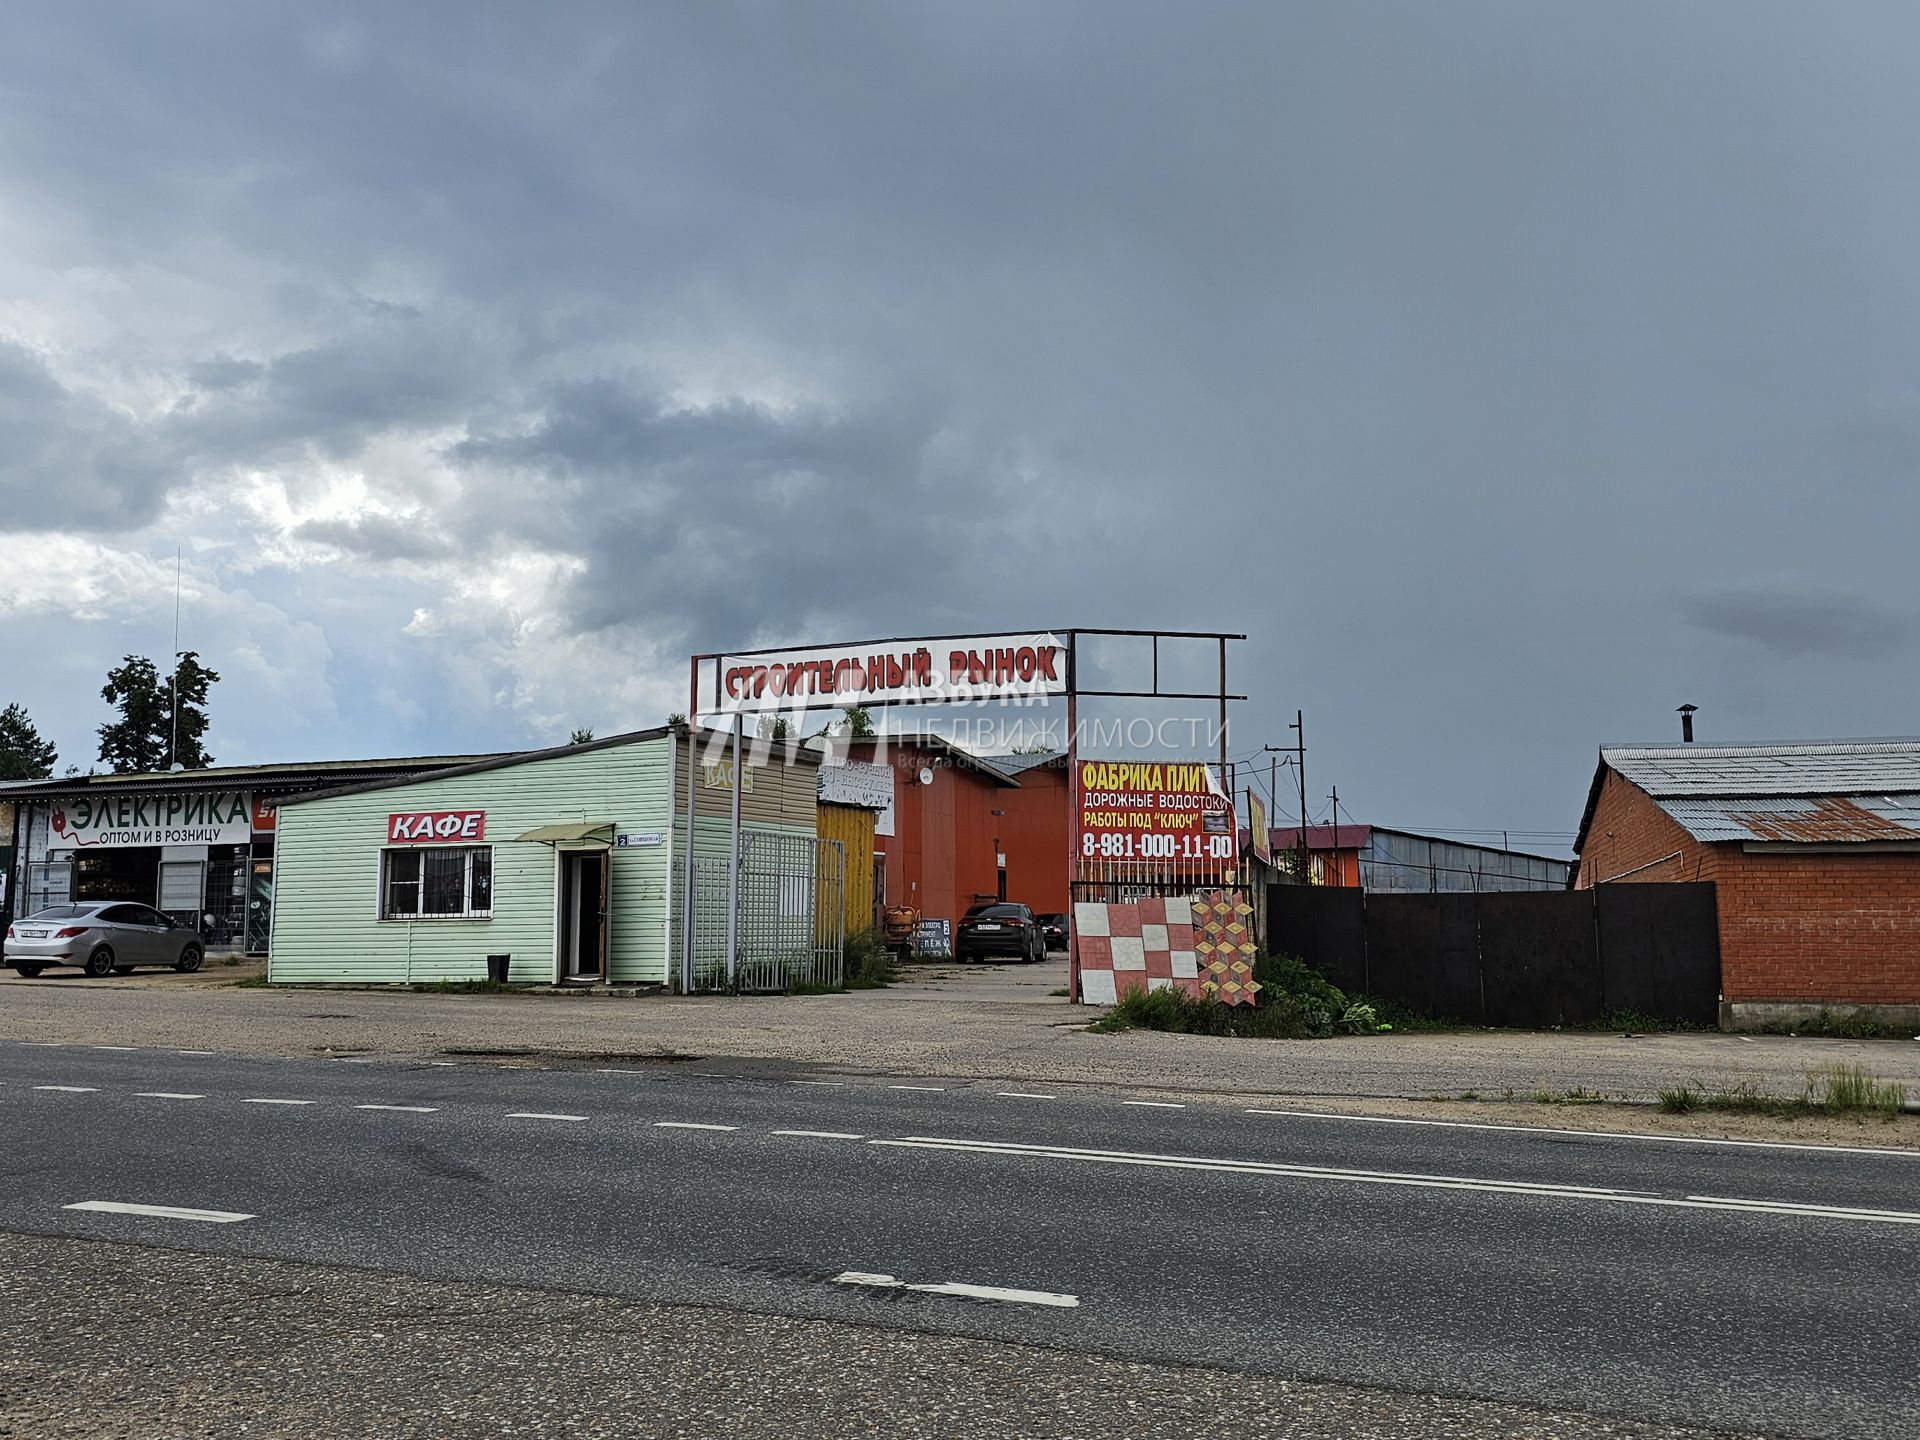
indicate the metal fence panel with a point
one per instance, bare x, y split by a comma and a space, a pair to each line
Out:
792, 921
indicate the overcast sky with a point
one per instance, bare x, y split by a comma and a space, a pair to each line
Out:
1509, 373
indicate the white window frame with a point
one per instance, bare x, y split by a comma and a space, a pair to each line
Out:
467, 852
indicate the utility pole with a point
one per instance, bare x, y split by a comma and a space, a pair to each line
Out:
1336, 830
1299, 728
1299, 752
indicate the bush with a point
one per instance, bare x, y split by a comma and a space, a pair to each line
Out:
869, 966
1294, 1001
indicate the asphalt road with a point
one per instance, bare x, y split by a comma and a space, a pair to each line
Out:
1754, 1287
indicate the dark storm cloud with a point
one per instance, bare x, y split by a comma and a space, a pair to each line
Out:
1436, 347
374, 537
737, 520
68, 462
1796, 625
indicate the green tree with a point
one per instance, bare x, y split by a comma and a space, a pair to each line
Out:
162, 722
23, 754
856, 723
582, 736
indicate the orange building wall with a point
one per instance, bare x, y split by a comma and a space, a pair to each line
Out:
1033, 834
941, 857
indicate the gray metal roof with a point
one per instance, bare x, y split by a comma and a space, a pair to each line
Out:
1840, 767
1805, 793
1798, 819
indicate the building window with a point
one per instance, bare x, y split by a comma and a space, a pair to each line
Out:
421, 884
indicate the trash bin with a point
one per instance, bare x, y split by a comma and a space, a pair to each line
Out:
497, 968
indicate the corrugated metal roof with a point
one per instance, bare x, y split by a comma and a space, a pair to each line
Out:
1842, 767
1798, 820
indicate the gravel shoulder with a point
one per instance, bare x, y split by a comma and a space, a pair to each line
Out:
988, 1023
175, 1345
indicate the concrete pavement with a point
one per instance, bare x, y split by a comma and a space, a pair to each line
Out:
1755, 1287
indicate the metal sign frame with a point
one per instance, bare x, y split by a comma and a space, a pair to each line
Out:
1072, 695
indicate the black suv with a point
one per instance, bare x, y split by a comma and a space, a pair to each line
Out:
999, 927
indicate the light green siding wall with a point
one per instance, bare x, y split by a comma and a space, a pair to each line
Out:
326, 924
327, 873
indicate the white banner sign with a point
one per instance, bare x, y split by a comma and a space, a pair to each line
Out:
96, 823
859, 782
958, 671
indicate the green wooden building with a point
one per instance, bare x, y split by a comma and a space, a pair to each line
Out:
570, 861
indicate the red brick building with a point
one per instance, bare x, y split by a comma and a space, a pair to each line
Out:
1814, 851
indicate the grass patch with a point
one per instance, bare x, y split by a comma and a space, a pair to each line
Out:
251, 982
1828, 1025
1850, 1089
1634, 1021
1060, 990
465, 987
868, 963
1834, 1090
810, 987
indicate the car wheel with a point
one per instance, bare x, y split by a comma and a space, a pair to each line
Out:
100, 962
26, 972
189, 960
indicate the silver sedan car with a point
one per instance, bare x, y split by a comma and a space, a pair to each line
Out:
102, 937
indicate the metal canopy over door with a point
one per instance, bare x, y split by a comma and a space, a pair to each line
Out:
584, 882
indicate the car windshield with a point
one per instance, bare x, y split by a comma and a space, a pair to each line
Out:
61, 912
993, 911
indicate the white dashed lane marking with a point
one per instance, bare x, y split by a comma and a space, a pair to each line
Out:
689, 1125
836, 1084
1155, 1104
70, 1089
1023, 1095
822, 1134
258, 1101
960, 1290
916, 1087
540, 1115
409, 1109
165, 1095
161, 1212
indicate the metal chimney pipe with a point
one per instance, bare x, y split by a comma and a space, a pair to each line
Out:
1686, 723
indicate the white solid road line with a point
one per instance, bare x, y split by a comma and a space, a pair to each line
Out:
409, 1109
70, 1089
1155, 1104
954, 1287
689, 1125
162, 1212
1594, 1134
539, 1115
257, 1101
1023, 1095
193, 1052
165, 1095
1541, 1189
110, 1047
822, 1134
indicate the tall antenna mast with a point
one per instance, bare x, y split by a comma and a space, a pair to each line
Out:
173, 683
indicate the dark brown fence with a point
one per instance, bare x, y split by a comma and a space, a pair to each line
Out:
1528, 959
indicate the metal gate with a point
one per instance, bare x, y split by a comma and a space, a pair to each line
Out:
792, 926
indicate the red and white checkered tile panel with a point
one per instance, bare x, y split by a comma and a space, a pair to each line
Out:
1140, 945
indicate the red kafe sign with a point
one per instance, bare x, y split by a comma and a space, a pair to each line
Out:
436, 827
